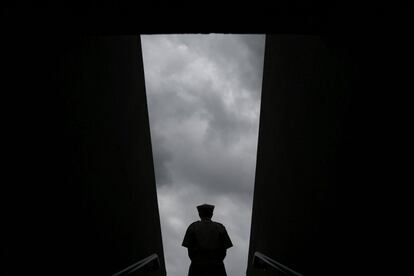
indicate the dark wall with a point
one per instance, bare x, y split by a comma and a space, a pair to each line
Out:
82, 197
323, 204
300, 126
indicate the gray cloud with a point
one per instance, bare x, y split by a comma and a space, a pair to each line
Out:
204, 98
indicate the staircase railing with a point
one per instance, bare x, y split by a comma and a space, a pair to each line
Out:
151, 262
262, 261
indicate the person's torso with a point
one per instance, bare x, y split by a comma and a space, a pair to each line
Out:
208, 235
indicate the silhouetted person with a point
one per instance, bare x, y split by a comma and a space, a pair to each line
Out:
207, 242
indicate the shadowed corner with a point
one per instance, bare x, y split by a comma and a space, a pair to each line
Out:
265, 263
259, 264
152, 266
149, 264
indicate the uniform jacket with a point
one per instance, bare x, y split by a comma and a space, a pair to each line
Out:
207, 242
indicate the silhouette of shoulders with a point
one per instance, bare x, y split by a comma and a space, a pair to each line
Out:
202, 222
207, 234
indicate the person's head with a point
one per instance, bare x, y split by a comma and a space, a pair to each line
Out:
205, 211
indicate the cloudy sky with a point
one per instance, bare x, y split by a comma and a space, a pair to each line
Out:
204, 102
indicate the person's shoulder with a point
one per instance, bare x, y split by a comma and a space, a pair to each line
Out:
219, 225
195, 223
192, 227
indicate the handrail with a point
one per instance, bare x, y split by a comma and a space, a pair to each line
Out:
138, 265
272, 263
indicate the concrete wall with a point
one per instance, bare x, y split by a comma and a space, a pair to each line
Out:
314, 203
83, 200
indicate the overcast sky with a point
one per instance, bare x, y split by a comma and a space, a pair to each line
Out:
204, 101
